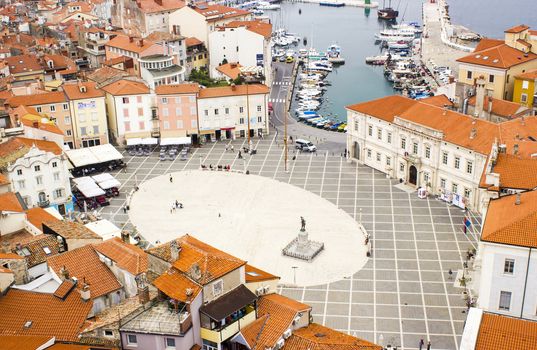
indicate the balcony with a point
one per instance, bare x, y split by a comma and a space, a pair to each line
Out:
412, 158
159, 318
219, 335
43, 204
155, 132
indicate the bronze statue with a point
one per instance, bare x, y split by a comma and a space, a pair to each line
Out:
303, 223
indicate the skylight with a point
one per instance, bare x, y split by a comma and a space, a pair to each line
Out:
47, 250
252, 273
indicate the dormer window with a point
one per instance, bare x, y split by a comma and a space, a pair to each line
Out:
50, 63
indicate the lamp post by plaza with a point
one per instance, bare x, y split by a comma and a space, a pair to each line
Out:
294, 274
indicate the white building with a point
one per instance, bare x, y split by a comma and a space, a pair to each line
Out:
506, 263
160, 70
427, 146
200, 20
129, 106
38, 172
223, 111
243, 42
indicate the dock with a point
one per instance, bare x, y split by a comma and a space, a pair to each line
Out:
355, 3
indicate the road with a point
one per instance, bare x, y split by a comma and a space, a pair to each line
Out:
325, 140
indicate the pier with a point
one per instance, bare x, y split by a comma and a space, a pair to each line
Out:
355, 3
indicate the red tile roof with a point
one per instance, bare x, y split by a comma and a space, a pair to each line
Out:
49, 316
177, 89
501, 56
502, 108
238, 90
4, 180
137, 45
192, 42
38, 215
127, 256
47, 146
177, 286
317, 337
230, 70
23, 342
23, 64
75, 91
505, 333
257, 26
438, 101
517, 29
37, 124
512, 224
530, 75
253, 274
10, 203
37, 99
220, 12
126, 87
487, 43
84, 264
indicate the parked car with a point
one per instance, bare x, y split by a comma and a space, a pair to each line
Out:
305, 145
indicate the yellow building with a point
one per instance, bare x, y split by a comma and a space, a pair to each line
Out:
197, 56
88, 114
499, 61
525, 91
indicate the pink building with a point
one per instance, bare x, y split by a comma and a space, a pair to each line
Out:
177, 110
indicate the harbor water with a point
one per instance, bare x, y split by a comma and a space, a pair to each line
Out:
353, 29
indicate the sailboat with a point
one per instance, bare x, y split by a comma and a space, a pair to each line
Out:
387, 13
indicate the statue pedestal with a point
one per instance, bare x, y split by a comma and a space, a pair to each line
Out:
302, 248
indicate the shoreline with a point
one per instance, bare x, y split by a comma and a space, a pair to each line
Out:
354, 3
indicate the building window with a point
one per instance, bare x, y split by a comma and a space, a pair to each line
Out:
525, 84
403, 143
216, 111
259, 119
241, 109
164, 100
209, 345
166, 125
467, 192
401, 166
491, 78
389, 137
19, 171
131, 339
170, 343
443, 183
206, 112
139, 99
378, 157
165, 112
68, 132
52, 108
58, 193
444, 158
415, 148
379, 134
370, 130
469, 75
39, 109
83, 131
125, 100
96, 130
368, 153
388, 161
454, 188
21, 184
39, 180
179, 124
241, 120
218, 287
194, 123
259, 108
469, 167
457, 164
37, 168
356, 125
140, 112
426, 178
141, 125
505, 301
108, 333
524, 98
67, 120
56, 176
226, 110
65, 106
428, 152
509, 266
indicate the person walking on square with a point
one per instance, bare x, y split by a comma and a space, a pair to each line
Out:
171, 178
450, 272
421, 343
429, 345
232, 148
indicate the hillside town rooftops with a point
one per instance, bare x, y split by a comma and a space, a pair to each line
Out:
503, 332
37, 99
502, 108
81, 91
70, 229
34, 248
501, 56
253, 274
127, 256
37, 216
129, 43
177, 285
256, 26
23, 64
126, 87
317, 337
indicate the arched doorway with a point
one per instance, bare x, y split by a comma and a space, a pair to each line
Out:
356, 150
413, 175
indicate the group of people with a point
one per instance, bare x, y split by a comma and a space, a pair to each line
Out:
176, 205
216, 167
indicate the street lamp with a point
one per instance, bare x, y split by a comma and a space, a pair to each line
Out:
294, 274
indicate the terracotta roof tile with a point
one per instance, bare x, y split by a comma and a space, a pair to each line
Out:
38, 124
317, 337
515, 172
230, 70
38, 215
126, 87
23, 342
501, 108
151, 6
47, 146
22, 242
253, 274
438, 101
127, 256
47, 313
220, 12
509, 223
37, 99
238, 90
64, 289
71, 229
385, 108
23, 64
84, 263
505, 333
517, 29
105, 73
177, 89
4, 180
10, 202
175, 285
257, 26
501, 56
124, 42
10, 256
74, 91
487, 43
213, 263
192, 42
530, 75
68, 346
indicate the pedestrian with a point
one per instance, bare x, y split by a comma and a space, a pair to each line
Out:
180, 205
125, 209
176, 203
240, 155
429, 345
450, 274
227, 147
294, 157
421, 343
232, 148
171, 178
171, 210
464, 228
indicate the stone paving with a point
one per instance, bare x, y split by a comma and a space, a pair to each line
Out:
404, 292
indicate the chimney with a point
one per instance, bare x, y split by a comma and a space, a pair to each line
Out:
517, 199
515, 149
35, 124
131, 39
174, 250
141, 42
479, 96
158, 2
233, 87
5, 247
444, 112
64, 273
473, 133
85, 293
125, 236
490, 105
143, 294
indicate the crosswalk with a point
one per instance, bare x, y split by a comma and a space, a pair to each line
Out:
277, 100
284, 83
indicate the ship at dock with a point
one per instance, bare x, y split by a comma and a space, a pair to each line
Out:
387, 13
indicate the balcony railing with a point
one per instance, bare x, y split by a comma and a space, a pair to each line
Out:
43, 204
224, 333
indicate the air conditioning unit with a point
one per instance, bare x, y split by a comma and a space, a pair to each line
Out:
259, 291
287, 334
266, 289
